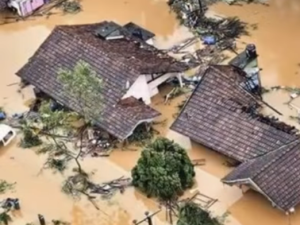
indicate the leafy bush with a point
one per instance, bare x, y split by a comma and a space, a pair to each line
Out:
191, 214
164, 170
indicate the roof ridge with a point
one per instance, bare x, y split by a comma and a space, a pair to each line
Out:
76, 36
276, 157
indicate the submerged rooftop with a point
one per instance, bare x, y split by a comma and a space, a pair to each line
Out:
222, 115
117, 62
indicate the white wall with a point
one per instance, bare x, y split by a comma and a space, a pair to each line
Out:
139, 89
144, 90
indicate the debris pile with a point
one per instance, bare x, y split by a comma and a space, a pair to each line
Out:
108, 189
71, 6
95, 142
274, 122
218, 34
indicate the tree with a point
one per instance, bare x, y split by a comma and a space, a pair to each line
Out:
84, 84
164, 170
5, 218
192, 214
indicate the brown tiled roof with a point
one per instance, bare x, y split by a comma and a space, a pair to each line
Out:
66, 46
276, 174
216, 115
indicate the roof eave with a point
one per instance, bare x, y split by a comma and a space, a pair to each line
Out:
251, 182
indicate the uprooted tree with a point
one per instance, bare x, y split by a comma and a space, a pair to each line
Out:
191, 214
82, 84
164, 170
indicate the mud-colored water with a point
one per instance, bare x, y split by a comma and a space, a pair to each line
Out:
277, 40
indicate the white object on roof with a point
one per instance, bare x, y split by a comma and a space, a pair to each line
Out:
7, 134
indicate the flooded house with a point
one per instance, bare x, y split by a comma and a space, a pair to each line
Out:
130, 68
223, 115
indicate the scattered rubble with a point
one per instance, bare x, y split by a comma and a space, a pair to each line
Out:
108, 189
95, 142
178, 91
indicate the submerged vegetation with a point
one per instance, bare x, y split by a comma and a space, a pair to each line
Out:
55, 126
142, 135
164, 170
191, 214
5, 186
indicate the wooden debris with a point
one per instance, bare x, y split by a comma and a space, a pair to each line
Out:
198, 162
108, 189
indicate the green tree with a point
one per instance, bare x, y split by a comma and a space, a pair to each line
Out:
84, 84
5, 218
164, 170
192, 214
86, 87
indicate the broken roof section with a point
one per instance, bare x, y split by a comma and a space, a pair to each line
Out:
118, 62
220, 114
275, 174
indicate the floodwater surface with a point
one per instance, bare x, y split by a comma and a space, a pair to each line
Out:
277, 40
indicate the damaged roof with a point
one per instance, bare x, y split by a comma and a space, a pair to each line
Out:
116, 62
217, 116
275, 174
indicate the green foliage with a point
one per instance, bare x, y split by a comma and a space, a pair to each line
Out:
53, 121
191, 214
4, 186
164, 170
84, 84
29, 139
5, 218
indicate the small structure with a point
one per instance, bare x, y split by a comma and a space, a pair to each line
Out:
25, 7
222, 115
131, 71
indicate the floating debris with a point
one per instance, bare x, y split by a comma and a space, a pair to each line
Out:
71, 7
108, 189
95, 142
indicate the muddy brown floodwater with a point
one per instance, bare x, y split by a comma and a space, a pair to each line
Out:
277, 40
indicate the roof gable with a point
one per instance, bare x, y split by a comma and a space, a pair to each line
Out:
218, 115
276, 173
